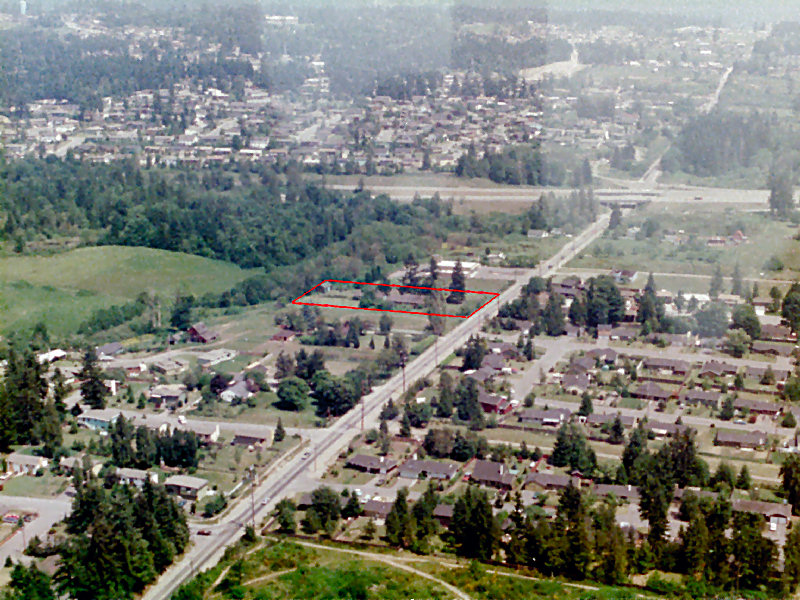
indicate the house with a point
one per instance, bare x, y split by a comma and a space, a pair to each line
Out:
741, 439
98, 419
444, 514
674, 339
285, 335
186, 486
135, 477
660, 429
68, 464
24, 464
623, 275
237, 392
214, 357
492, 403
201, 334
758, 373
406, 299
607, 356
255, 441
550, 481
493, 361
169, 366
171, 395
428, 469
777, 333
667, 366
600, 419
377, 509
553, 417
371, 464
207, 433
624, 333
652, 391
604, 333
504, 349
109, 351
481, 375
773, 348
575, 383
774, 512
51, 356
758, 407
493, 474
709, 398
715, 368
585, 364
629, 493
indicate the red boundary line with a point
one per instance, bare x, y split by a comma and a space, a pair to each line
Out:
493, 295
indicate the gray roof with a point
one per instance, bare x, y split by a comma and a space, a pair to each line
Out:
186, 481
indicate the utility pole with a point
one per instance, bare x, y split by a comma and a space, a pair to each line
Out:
253, 474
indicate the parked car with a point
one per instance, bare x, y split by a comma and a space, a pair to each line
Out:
204, 532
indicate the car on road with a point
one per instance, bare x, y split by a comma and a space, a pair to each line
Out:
740, 422
181, 419
306, 454
265, 501
204, 532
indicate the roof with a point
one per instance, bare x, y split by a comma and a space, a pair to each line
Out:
110, 349
493, 361
627, 492
491, 472
443, 511
701, 395
378, 507
749, 438
718, 368
556, 480
25, 459
756, 405
652, 390
365, 461
758, 372
602, 418
550, 414
656, 426
767, 509
99, 414
573, 380
447, 469
666, 363
129, 473
186, 481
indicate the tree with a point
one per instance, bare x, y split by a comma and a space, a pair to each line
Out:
586, 407
571, 449
715, 288
789, 420
285, 515
473, 527
694, 545
781, 193
712, 320
280, 432
399, 525
385, 324
29, 583
791, 553
93, 390
475, 351
743, 481
744, 317
458, 283
616, 218
737, 343
284, 365
293, 393
790, 309
790, 481
60, 392
553, 316
737, 288
727, 411
617, 433
181, 318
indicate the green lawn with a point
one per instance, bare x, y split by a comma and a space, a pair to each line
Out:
62, 290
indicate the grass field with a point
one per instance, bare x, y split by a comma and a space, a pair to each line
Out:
62, 290
766, 238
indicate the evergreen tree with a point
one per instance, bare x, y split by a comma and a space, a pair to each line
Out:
280, 432
586, 407
93, 390
60, 392
399, 525
791, 553
715, 288
458, 283
553, 316
737, 287
743, 481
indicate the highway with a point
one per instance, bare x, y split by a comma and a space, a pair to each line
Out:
290, 476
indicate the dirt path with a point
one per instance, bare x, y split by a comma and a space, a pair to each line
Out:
268, 577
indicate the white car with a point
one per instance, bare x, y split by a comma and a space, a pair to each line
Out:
306, 454
181, 419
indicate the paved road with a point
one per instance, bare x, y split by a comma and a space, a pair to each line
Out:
293, 474
50, 510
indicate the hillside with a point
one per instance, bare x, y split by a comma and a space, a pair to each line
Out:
62, 290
